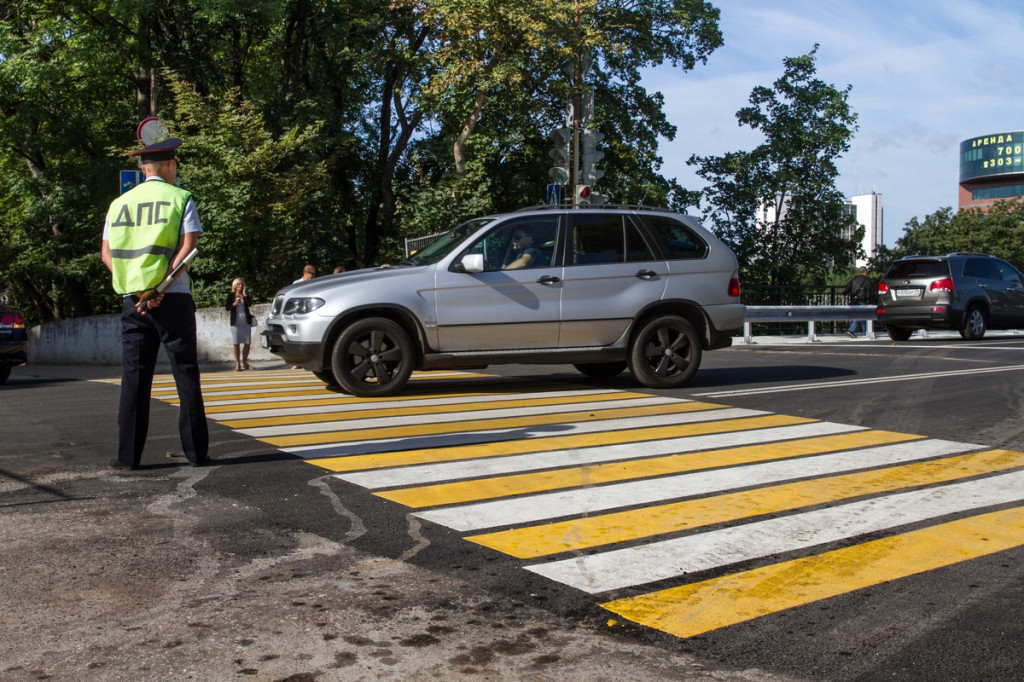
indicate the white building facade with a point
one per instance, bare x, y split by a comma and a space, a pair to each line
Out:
868, 212
865, 209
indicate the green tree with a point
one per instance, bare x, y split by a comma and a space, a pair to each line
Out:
61, 106
260, 197
315, 130
778, 205
998, 231
496, 90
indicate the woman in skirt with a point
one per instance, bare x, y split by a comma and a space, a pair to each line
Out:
238, 304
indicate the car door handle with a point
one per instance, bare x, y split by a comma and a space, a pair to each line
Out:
646, 274
548, 279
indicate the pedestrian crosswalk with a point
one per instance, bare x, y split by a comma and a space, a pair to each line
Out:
680, 515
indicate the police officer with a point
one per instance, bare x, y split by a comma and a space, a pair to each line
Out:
148, 231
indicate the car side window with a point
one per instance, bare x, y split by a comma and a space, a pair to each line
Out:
607, 238
981, 268
1008, 273
506, 245
677, 241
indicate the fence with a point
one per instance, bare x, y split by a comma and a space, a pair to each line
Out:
414, 244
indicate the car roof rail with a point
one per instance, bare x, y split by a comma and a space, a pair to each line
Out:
597, 207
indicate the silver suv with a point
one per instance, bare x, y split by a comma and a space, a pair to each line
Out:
969, 292
600, 288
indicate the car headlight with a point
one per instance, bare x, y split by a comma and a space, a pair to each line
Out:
301, 306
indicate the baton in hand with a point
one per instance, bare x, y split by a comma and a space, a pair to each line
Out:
143, 305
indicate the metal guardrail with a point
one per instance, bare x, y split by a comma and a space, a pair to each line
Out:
811, 314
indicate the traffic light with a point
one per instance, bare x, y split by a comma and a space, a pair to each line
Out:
582, 194
560, 155
589, 156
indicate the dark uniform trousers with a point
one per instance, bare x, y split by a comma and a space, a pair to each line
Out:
173, 324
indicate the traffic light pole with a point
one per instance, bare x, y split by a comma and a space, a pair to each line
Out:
574, 170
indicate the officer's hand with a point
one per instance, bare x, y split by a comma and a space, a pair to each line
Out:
149, 303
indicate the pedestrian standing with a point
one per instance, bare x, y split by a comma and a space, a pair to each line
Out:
240, 318
858, 290
148, 232
308, 273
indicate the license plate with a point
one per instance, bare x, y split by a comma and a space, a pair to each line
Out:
908, 293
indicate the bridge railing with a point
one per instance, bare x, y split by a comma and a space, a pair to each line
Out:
811, 314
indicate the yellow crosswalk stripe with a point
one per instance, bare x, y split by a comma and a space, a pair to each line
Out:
574, 477
237, 404
536, 541
518, 447
376, 413
481, 425
694, 609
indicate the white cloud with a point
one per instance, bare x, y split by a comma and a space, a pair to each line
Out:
925, 75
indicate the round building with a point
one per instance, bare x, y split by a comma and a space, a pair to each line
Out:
991, 169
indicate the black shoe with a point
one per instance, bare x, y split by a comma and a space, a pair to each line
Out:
118, 464
205, 462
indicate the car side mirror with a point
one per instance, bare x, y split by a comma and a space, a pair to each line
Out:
471, 263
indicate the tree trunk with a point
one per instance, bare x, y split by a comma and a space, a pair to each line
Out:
461, 155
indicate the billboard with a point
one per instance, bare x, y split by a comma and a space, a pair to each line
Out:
992, 155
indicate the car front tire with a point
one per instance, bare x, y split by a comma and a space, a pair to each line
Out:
373, 358
975, 323
666, 352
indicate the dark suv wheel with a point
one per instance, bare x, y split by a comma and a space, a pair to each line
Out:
666, 352
975, 323
373, 357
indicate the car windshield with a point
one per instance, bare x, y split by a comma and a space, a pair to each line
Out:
443, 245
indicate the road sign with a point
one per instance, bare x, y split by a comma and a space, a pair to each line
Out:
555, 194
129, 179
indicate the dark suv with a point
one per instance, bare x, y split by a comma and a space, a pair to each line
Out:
602, 289
12, 341
969, 292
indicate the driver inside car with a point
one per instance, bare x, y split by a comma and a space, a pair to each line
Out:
522, 246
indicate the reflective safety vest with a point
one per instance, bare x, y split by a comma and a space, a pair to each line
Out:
142, 232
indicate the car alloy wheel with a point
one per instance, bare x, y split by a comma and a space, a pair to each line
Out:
666, 352
373, 357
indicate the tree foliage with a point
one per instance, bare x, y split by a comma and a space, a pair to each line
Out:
778, 205
999, 231
320, 131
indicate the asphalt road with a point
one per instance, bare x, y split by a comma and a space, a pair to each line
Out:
267, 567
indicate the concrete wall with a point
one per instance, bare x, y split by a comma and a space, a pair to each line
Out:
96, 340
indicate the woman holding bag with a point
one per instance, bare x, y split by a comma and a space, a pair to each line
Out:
237, 305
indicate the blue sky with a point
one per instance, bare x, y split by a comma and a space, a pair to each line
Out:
926, 75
